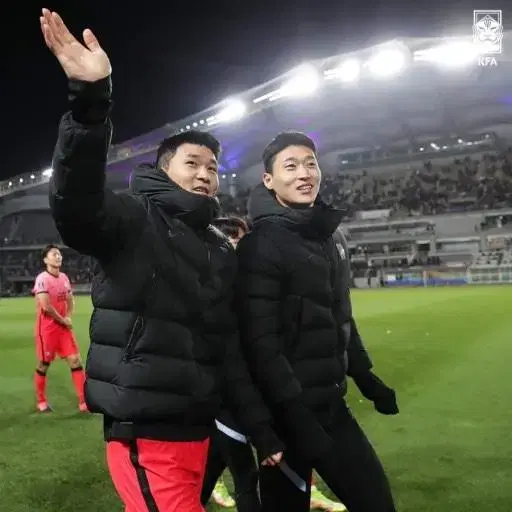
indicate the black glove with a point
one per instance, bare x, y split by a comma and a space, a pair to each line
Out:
382, 396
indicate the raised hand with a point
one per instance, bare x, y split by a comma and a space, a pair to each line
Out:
88, 63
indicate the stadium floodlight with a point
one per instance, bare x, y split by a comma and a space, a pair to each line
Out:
347, 71
387, 63
452, 55
306, 81
233, 111
47, 173
350, 70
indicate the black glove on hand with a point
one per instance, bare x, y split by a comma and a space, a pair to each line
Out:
382, 396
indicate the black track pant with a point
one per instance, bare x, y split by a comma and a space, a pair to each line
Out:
351, 470
238, 457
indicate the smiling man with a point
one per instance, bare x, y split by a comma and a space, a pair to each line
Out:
300, 339
164, 344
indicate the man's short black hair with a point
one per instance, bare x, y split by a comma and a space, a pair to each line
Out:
168, 147
282, 141
47, 249
231, 225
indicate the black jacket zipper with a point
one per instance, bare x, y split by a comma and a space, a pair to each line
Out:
138, 325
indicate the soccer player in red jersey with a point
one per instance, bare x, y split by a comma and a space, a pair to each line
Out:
54, 335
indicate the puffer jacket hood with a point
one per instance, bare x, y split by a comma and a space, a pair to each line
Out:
321, 220
194, 209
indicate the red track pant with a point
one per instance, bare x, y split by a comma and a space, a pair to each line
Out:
158, 476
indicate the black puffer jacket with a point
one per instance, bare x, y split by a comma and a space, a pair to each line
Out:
164, 341
295, 313
357, 359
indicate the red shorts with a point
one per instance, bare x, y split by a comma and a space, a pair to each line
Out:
56, 344
158, 476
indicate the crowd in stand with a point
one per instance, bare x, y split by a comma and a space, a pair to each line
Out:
467, 184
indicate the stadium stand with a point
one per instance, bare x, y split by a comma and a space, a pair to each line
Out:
421, 166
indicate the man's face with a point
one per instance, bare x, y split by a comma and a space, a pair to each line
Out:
295, 177
53, 258
195, 169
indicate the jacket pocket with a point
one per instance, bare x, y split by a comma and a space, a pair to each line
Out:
135, 334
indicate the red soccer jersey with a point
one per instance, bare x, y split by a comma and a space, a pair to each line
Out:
58, 289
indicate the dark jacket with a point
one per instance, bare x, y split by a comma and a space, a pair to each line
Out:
295, 313
357, 359
164, 341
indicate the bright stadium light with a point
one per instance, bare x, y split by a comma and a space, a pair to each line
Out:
233, 111
451, 55
387, 63
305, 81
349, 70
47, 172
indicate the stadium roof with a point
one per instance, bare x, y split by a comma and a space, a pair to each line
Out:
399, 91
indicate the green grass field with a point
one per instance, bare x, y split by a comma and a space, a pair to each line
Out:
448, 352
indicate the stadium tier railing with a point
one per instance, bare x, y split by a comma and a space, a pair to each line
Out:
485, 274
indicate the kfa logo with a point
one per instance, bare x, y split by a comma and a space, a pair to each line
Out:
488, 36
487, 62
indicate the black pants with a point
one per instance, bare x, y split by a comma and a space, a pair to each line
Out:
351, 470
239, 458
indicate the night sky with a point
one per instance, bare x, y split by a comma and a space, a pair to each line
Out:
173, 58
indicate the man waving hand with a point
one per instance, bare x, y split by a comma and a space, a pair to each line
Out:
164, 342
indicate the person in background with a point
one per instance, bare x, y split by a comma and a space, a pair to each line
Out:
229, 447
54, 328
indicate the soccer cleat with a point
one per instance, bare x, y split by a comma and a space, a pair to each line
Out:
321, 502
82, 407
44, 407
221, 497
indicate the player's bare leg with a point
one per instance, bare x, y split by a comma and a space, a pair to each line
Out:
40, 386
78, 375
